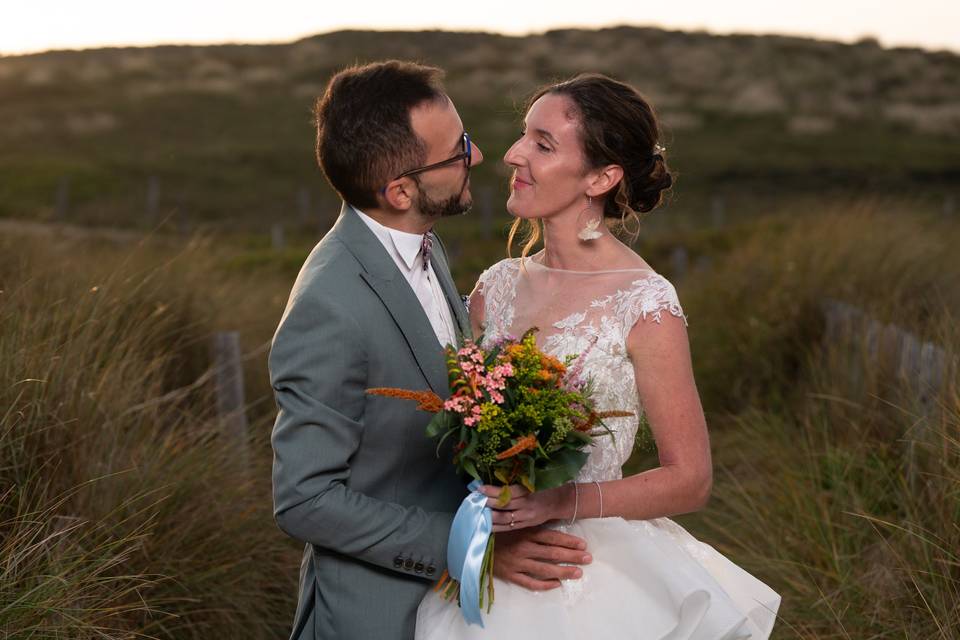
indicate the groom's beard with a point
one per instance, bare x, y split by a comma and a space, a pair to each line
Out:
452, 206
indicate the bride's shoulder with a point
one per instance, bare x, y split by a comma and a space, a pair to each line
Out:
506, 268
648, 296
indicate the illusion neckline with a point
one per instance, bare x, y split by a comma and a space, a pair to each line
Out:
531, 260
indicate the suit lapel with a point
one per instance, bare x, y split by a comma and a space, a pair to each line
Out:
440, 267
386, 281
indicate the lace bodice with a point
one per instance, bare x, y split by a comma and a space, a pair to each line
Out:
585, 313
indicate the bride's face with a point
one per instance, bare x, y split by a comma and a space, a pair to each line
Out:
549, 175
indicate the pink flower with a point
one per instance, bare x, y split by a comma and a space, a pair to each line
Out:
458, 404
474, 416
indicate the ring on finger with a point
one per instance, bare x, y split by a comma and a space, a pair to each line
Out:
512, 516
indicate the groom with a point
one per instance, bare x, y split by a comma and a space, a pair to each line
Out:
354, 476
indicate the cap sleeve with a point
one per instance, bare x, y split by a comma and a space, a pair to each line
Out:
484, 283
648, 299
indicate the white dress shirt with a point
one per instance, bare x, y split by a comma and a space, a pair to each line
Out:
404, 248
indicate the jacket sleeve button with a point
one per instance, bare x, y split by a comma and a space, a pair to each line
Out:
431, 570
408, 563
418, 567
398, 562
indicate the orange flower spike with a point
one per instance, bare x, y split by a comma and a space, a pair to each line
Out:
443, 578
426, 400
525, 443
595, 417
614, 414
430, 402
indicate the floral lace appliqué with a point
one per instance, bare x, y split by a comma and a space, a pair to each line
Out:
599, 333
497, 285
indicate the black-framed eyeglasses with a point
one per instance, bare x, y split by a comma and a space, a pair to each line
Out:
466, 155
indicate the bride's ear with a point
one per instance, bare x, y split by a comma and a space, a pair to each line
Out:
604, 180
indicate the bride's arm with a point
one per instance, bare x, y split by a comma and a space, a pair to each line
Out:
660, 353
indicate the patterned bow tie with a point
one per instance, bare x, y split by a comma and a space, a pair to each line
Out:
426, 246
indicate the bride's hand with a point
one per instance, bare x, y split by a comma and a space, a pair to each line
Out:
526, 509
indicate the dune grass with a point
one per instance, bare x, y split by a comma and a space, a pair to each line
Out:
835, 483
124, 513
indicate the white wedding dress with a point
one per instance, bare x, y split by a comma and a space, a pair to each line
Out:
649, 579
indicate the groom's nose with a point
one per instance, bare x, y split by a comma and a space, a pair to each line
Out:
476, 156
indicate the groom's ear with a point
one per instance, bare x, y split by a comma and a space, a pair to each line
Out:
399, 194
604, 180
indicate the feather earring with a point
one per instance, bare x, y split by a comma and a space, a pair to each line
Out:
589, 232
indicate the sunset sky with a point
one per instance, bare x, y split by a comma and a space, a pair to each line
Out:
55, 24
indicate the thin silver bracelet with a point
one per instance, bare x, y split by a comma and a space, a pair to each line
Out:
600, 491
576, 503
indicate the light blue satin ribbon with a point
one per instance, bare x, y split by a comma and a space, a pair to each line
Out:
471, 529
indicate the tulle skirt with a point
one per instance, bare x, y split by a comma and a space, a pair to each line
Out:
649, 579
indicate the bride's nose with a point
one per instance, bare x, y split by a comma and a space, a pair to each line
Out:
513, 157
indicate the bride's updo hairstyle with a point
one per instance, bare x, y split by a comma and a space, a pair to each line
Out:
617, 126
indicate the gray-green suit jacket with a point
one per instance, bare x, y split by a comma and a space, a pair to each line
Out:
354, 476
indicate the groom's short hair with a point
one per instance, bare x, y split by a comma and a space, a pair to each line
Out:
364, 135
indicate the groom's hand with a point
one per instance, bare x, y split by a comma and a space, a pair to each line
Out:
529, 557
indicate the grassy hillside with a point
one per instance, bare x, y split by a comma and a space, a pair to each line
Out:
223, 134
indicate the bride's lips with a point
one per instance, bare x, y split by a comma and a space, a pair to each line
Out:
520, 184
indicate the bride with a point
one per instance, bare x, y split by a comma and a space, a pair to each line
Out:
589, 153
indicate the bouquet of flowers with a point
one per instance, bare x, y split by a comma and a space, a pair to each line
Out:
518, 415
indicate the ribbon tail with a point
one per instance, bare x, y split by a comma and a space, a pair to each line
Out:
467, 544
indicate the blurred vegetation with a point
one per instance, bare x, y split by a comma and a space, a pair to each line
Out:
750, 121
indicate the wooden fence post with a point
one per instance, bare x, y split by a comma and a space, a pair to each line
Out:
922, 367
228, 378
